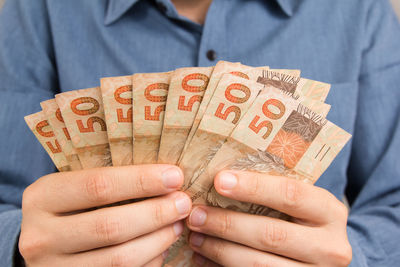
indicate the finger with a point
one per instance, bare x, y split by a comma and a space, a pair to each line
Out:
80, 190
230, 254
259, 232
295, 198
199, 260
118, 224
157, 262
136, 252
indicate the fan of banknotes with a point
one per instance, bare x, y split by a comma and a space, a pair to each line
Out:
203, 119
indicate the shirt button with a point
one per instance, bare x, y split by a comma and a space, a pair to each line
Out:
162, 7
211, 55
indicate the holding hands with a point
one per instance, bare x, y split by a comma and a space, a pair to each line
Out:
60, 226
315, 237
63, 226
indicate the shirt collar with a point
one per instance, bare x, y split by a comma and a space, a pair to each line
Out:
289, 6
117, 8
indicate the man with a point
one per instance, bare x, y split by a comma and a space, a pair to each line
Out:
48, 47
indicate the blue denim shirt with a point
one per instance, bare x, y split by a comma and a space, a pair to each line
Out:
48, 47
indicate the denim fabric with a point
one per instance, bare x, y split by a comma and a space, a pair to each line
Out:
48, 47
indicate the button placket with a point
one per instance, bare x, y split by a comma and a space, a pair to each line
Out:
213, 42
211, 55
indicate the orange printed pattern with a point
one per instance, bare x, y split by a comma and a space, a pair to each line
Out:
83, 100
120, 91
63, 139
294, 138
240, 74
269, 114
155, 98
60, 119
123, 101
288, 146
193, 88
49, 133
117, 100
233, 99
150, 92
41, 128
83, 113
185, 94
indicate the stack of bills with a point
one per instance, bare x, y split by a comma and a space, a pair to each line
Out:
203, 119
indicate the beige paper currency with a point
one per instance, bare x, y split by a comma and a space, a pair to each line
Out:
295, 73
222, 67
118, 110
296, 87
150, 91
277, 136
56, 121
83, 115
185, 93
180, 253
41, 128
232, 98
314, 89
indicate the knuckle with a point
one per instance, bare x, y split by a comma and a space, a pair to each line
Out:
167, 237
159, 216
342, 210
107, 230
98, 188
292, 194
31, 245
141, 183
273, 236
217, 250
223, 224
331, 203
340, 255
347, 255
28, 197
260, 263
255, 186
118, 259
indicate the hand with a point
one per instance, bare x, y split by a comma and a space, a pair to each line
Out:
61, 228
315, 237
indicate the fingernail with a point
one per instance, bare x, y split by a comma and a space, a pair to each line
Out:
172, 178
199, 260
182, 204
165, 254
178, 228
227, 181
196, 239
198, 217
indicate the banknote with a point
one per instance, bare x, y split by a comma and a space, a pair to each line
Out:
56, 121
83, 115
291, 72
150, 92
314, 89
41, 128
277, 136
231, 99
185, 93
221, 68
118, 111
296, 87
